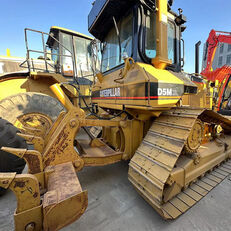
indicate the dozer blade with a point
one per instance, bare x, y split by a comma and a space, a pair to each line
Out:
63, 203
170, 181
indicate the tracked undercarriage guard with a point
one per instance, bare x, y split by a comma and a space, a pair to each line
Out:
166, 175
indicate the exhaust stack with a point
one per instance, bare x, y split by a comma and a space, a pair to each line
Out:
197, 58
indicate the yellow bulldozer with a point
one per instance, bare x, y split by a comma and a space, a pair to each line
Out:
178, 147
25, 97
26, 100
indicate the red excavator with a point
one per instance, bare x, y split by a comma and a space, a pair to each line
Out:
219, 78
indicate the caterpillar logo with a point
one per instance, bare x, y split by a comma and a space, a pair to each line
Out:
165, 92
112, 92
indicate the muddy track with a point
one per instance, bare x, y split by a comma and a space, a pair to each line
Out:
156, 157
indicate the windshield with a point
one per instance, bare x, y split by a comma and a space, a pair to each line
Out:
66, 41
171, 41
226, 101
150, 43
55, 52
111, 49
83, 57
82, 51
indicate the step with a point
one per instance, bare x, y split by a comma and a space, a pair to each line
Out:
97, 153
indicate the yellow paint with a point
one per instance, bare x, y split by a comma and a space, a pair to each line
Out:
8, 52
163, 76
57, 90
213, 55
11, 87
71, 32
161, 60
168, 101
163, 11
87, 91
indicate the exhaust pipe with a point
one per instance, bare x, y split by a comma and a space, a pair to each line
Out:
197, 58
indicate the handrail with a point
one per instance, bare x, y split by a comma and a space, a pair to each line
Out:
45, 53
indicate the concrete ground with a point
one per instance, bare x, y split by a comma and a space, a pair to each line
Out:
115, 205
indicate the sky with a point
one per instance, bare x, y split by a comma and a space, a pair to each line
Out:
202, 16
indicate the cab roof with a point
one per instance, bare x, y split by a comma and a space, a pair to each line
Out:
102, 13
55, 30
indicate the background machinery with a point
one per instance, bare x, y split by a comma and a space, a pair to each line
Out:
9, 138
220, 77
25, 96
9, 63
26, 100
178, 147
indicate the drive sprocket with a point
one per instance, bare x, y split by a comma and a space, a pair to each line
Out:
195, 137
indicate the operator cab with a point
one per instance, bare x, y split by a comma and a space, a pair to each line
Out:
224, 102
71, 52
140, 52
66, 52
130, 30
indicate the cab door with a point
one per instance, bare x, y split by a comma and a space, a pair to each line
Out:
224, 102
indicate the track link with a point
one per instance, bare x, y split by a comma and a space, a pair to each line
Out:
154, 160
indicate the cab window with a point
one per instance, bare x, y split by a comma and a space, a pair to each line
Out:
171, 41
150, 41
111, 49
55, 52
226, 101
66, 41
83, 58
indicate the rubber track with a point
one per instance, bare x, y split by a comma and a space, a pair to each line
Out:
154, 160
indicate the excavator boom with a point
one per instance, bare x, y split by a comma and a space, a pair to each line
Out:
220, 76
215, 37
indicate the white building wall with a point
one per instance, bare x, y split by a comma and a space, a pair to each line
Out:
222, 56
